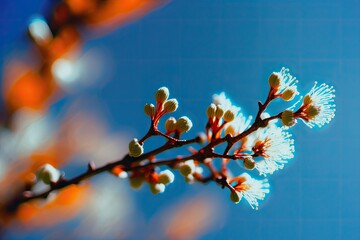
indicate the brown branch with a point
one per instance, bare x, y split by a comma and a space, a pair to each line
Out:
128, 162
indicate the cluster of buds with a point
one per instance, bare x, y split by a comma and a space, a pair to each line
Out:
262, 144
157, 181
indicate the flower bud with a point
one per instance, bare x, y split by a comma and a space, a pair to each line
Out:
288, 94
48, 174
136, 182
229, 116
170, 124
189, 179
274, 80
230, 130
307, 100
166, 177
135, 149
149, 109
162, 94
187, 168
183, 124
219, 113
119, 172
202, 138
235, 197
312, 111
249, 163
210, 111
156, 188
288, 118
171, 105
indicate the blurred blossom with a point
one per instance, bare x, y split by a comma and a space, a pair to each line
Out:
31, 130
88, 135
188, 218
40, 31
74, 74
108, 211
64, 71
63, 206
113, 13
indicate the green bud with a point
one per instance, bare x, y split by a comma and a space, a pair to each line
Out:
312, 111
307, 100
288, 94
135, 149
219, 113
166, 177
48, 174
157, 188
274, 80
229, 116
187, 168
136, 182
249, 163
288, 118
235, 197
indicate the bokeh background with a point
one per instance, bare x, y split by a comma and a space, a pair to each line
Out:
196, 48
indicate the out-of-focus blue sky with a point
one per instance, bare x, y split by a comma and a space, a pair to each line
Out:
198, 48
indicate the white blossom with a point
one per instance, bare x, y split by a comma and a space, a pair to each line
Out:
240, 123
274, 145
251, 189
287, 81
225, 103
322, 98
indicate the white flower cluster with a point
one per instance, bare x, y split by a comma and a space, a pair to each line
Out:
251, 189
240, 123
268, 149
318, 104
273, 145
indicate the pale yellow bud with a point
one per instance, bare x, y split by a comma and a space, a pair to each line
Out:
135, 149
162, 94
288, 94
274, 80
170, 124
171, 105
307, 100
235, 197
166, 177
229, 116
183, 124
312, 111
210, 111
288, 118
48, 174
187, 168
149, 109
156, 188
249, 163
219, 113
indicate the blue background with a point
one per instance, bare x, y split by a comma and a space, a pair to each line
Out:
197, 48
